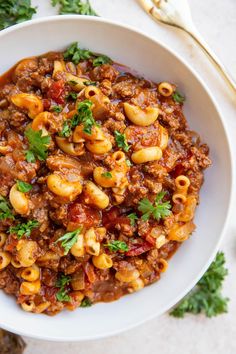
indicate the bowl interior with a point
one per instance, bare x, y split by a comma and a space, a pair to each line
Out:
156, 62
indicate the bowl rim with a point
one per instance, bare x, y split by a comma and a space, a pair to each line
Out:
197, 76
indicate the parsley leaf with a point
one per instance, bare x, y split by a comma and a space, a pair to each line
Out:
177, 97
23, 186
5, 210
62, 282
106, 175
66, 129
121, 141
24, 229
68, 240
72, 96
101, 59
75, 54
132, 217
57, 109
15, 11
86, 302
38, 145
90, 83
116, 245
206, 297
74, 7
128, 163
84, 116
158, 210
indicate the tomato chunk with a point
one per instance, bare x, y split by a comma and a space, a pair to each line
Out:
136, 250
83, 215
57, 91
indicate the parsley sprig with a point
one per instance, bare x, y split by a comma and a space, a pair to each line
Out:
157, 210
107, 174
15, 11
62, 294
206, 297
76, 54
177, 97
38, 145
5, 209
23, 187
132, 217
74, 7
86, 302
24, 229
68, 240
84, 116
101, 59
116, 245
121, 141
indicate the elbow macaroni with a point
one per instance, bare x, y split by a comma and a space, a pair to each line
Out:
148, 154
139, 116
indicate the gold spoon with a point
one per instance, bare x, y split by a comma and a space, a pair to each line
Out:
177, 13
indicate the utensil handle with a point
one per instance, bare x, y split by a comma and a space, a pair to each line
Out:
219, 66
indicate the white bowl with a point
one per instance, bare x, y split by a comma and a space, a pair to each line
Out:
147, 56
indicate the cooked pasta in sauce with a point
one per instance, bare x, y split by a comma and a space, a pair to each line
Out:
100, 178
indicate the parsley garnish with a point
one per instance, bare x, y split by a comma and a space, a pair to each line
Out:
62, 282
68, 240
84, 116
23, 186
86, 302
57, 109
24, 229
101, 59
72, 96
38, 145
128, 163
74, 7
15, 11
121, 141
206, 297
66, 129
157, 210
177, 97
5, 210
75, 54
116, 245
107, 175
132, 217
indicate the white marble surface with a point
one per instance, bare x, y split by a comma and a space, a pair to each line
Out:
196, 335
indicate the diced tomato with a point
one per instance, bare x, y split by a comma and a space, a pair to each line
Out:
150, 239
57, 91
136, 250
113, 217
83, 215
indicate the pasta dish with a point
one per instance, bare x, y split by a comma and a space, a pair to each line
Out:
100, 179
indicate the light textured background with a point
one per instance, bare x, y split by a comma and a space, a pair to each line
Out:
196, 335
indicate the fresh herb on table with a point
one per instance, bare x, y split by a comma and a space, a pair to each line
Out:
101, 59
86, 302
158, 210
23, 187
177, 97
15, 11
5, 210
68, 240
116, 245
75, 54
121, 141
107, 175
38, 145
74, 7
57, 109
132, 217
71, 96
24, 229
62, 294
206, 297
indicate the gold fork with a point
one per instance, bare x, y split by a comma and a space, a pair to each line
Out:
177, 13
